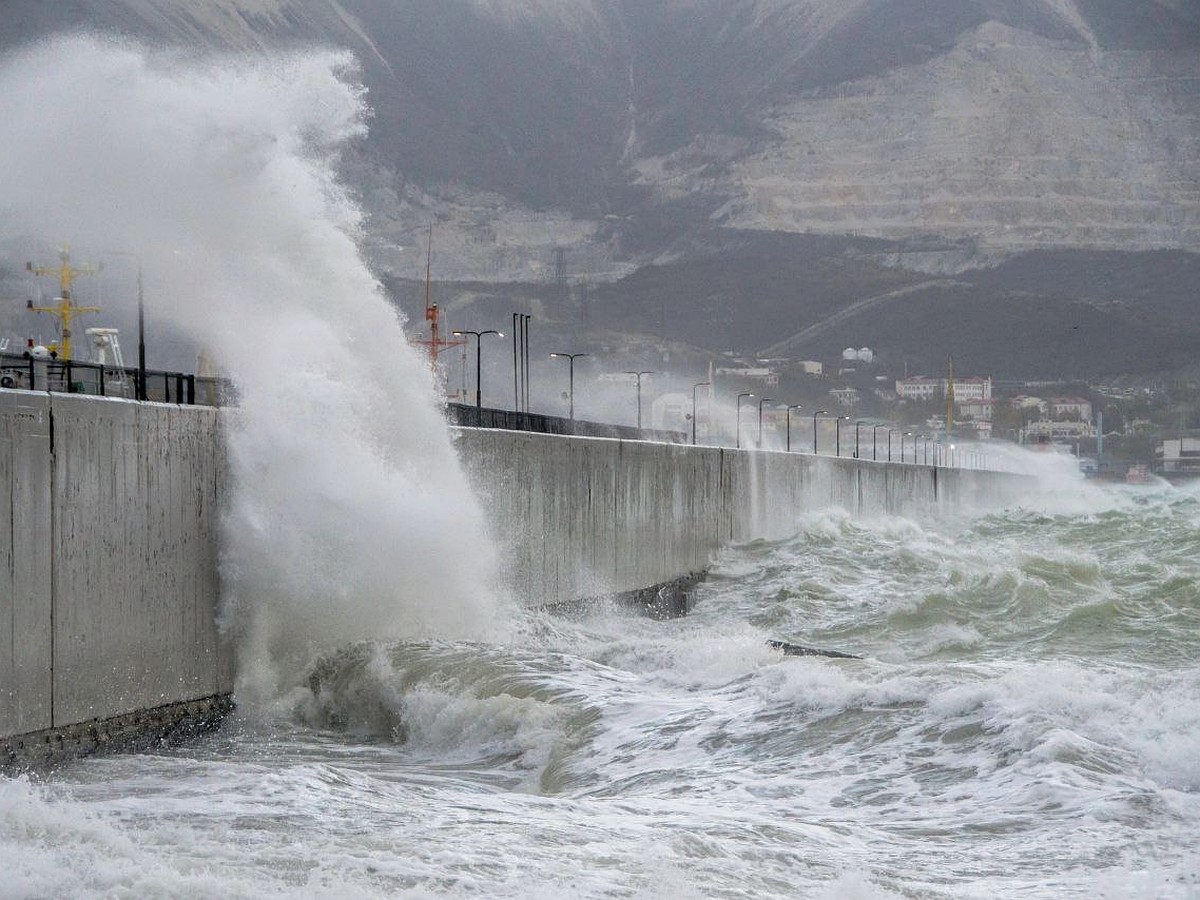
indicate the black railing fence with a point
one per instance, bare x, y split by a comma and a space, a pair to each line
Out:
474, 417
38, 373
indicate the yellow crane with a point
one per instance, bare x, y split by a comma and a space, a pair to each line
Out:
64, 310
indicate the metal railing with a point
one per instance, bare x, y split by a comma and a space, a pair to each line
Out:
36, 373
475, 417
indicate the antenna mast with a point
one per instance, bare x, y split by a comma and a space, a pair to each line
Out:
64, 311
435, 342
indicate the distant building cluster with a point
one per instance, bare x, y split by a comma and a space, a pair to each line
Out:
1178, 457
766, 376
923, 388
863, 387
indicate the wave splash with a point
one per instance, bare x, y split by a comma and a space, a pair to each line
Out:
349, 516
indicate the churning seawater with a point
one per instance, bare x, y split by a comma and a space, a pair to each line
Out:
1025, 721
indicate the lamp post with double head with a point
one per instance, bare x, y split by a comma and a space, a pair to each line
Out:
760, 406
570, 358
837, 430
738, 427
875, 442
638, 376
789, 424
694, 386
478, 360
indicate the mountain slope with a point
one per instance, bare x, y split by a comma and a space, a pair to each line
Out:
688, 138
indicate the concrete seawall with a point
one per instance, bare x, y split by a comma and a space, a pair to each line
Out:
583, 517
108, 569
109, 519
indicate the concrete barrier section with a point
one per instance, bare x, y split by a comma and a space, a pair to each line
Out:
109, 518
25, 607
108, 559
582, 517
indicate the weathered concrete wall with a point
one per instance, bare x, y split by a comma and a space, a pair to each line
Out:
109, 513
108, 529
579, 517
25, 608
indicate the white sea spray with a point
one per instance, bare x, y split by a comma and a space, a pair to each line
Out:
348, 514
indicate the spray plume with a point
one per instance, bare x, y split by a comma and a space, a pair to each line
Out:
348, 517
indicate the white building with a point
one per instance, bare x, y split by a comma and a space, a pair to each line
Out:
1071, 407
920, 387
1057, 431
972, 389
768, 377
845, 397
980, 410
1179, 457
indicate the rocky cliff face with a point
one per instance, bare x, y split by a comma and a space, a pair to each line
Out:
639, 131
1016, 124
1010, 139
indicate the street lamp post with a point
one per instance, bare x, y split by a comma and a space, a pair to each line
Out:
875, 442
478, 359
694, 386
760, 406
141, 382
525, 366
789, 424
570, 358
857, 426
638, 376
516, 331
738, 427
837, 428
520, 361
819, 412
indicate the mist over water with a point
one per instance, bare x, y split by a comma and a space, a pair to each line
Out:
349, 516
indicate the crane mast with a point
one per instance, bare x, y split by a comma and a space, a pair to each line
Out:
64, 310
436, 342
